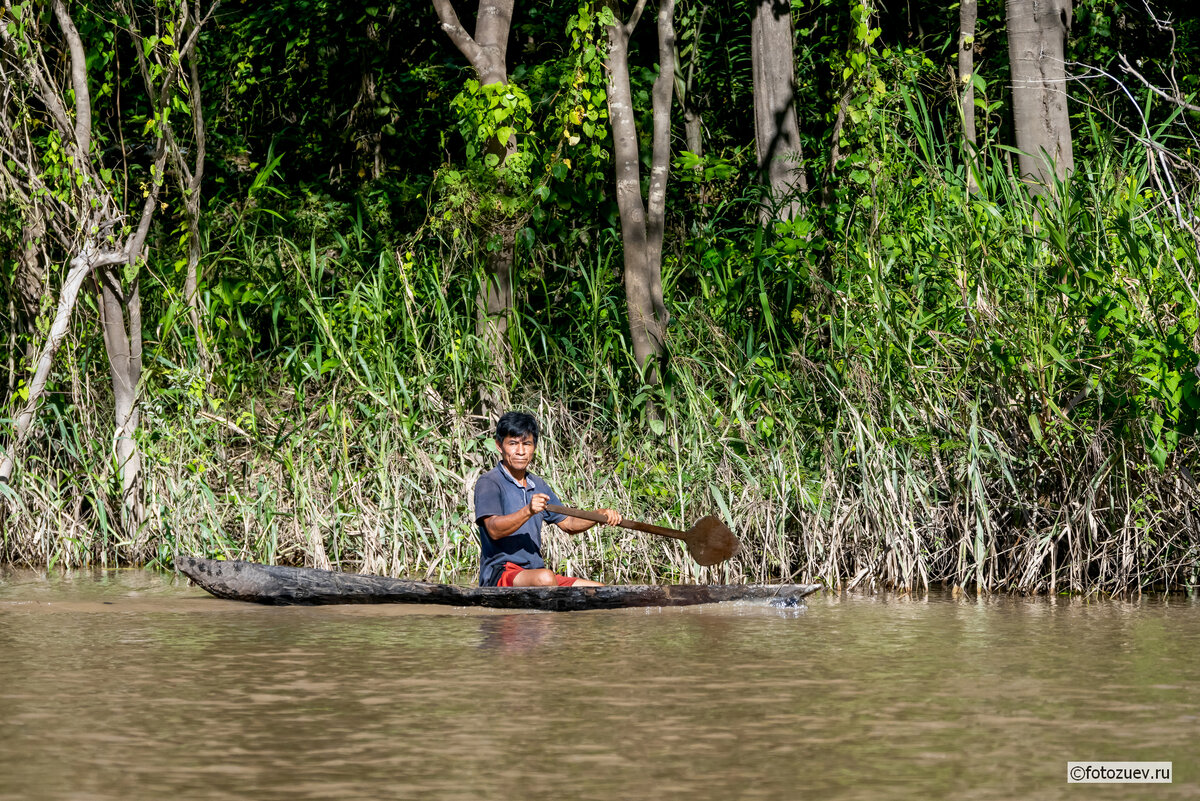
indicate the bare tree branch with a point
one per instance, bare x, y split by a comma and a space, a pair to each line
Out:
195, 35
1179, 101
36, 77
133, 249
197, 123
83, 100
454, 29
634, 17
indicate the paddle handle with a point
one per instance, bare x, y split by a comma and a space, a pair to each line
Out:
596, 517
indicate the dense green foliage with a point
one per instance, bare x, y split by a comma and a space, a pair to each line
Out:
907, 384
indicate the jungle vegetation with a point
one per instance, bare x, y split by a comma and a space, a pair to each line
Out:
907, 293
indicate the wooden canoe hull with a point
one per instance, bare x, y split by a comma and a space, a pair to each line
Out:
267, 584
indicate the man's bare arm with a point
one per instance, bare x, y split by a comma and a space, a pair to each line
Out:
576, 525
500, 526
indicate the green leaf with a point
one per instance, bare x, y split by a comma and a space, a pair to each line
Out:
1158, 455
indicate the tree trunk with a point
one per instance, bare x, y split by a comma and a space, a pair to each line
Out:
693, 136
968, 12
487, 53
660, 166
776, 128
31, 279
693, 121
642, 225
1036, 33
495, 303
120, 321
191, 282
193, 180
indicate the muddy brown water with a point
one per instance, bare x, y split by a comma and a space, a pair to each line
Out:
133, 685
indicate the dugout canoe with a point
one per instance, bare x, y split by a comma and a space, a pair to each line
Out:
268, 584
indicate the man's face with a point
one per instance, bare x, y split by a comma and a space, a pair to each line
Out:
517, 452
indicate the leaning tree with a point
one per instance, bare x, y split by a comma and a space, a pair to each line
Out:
55, 172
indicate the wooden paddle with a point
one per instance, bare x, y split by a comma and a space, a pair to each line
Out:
710, 541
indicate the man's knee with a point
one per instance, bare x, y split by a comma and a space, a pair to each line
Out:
540, 577
545, 578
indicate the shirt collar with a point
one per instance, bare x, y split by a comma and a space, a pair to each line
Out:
530, 483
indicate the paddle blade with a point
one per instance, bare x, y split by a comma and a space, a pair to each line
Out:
710, 542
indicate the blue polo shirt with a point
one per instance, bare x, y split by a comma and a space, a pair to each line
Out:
498, 493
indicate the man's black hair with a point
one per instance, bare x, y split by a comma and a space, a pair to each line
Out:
516, 424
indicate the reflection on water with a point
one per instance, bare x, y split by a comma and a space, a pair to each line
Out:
514, 634
126, 685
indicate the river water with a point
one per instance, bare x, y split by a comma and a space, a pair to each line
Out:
132, 685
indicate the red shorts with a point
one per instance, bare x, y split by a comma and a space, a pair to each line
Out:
511, 569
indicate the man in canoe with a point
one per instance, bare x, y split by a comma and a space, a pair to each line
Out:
510, 508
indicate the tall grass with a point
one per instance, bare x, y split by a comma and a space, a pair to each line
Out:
986, 391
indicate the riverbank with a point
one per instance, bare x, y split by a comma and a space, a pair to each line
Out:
336, 480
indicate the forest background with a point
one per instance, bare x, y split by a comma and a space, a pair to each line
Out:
905, 293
